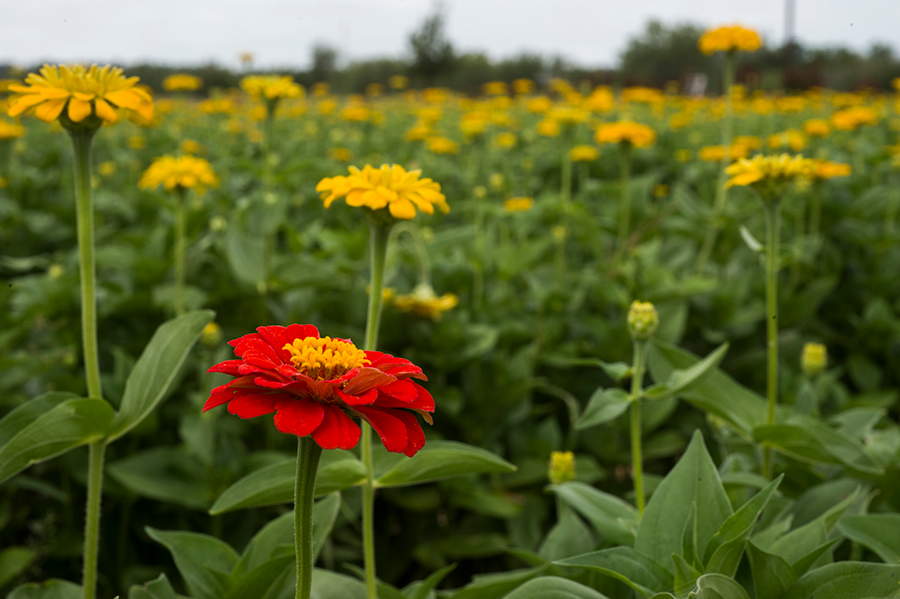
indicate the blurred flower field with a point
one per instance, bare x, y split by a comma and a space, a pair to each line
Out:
663, 347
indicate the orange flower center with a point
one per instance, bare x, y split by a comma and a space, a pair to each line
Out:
325, 358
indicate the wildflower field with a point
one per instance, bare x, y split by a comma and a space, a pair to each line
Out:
552, 341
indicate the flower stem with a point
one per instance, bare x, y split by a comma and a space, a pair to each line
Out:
773, 232
380, 234
625, 208
637, 464
721, 190
84, 210
308, 454
179, 250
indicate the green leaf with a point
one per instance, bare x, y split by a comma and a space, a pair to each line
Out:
331, 585
694, 479
604, 405
204, 562
635, 569
878, 532
157, 367
681, 380
28, 412
717, 586
420, 590
160, 588
269, 580
14, 561
69, 424
685, 575
552, 586
494, 586
808, 439
567, 538
51, 589
847, 580
717, 394
772, 576
167, 474
810, 537
614, 519
443, 459
274, 484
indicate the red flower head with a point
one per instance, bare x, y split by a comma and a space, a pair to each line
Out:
313, 383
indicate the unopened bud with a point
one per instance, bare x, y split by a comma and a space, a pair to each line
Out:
813, 359
212, 335
562, 467
642, 320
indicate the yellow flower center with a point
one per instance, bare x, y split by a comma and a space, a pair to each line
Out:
325, 358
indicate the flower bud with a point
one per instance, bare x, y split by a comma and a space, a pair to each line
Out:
813, 359
642, 320
562, 467
212, 335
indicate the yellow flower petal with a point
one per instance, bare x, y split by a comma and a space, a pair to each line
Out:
79, 110
50, 110
402, 209
105, 111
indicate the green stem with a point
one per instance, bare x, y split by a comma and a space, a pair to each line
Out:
96, 455
180, 227
380, 234
625, 208
712, 232
308, 454
890, 216
773, 232
637, 464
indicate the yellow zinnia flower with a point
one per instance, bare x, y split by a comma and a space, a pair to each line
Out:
442, 145
548, 128
850, 119
11, 130
181, 82
178, 174
584, 154
824, 169
518, 204
398, 82
635, 134
390, 187
341, 154
539, 105
729, 39
777, 170
356, 113
523, 86
424, 302
494, 88
817, 128
97, 92
271, 87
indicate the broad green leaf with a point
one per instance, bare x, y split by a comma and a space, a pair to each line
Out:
167, 474
495, 586
848, 580
614, 519
267, 581
806, 539
717, 586
680, 380
157, 368
808, 439
51, 589
878, 532
69, 424
205, 563
567, 538
443, 459
246, 256
28, 412
604, 405
14, 561
331, 585
638, 571
617, 371
160, 588
274, 484
552, 586
694, 479
717, 394
420, 590
772, 576
685, 575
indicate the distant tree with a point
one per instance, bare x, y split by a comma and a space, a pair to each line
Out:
324, 62
432, 53
663, 53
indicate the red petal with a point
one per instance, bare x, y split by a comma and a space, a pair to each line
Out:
256, 344
227, 392
364, 399
277, 337
424, 401
298, 416
239, 340
251, 406
337, 431
405, 391
391, 429
413, 432
227, 367
367, 378
301, 331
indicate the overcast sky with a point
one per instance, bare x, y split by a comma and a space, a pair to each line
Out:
282, 32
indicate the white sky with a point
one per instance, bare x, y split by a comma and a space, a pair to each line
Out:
282, 32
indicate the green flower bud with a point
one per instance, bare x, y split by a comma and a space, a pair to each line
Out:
211, 335
642, 320
813, 359
562, 467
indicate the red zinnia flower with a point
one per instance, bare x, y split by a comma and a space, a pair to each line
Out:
313, 383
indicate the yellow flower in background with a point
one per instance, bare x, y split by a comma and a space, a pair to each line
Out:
628, 132
562, 467
177, 174
817, 128
495, 88
824, 169
750, 142
505, 140
568, 115
11, 130
106, 168
390, 187
683, 155
398, 82
425, 303
850, 119
769, 169
327, 106
584, 154
189, 146
660, 190
643, 95
442, 145
523, 86
717, 153
548, 128
813, 359
792, 138
340, 154
374, 90
474, 123
321, 89
271, 87
518, 204
418, 132
82, 93
182, 83
539, 105
731, 38
600, 100
218, 106
356, 113
137, 142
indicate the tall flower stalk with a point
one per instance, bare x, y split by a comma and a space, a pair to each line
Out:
308, 454
625, 202
642, 323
